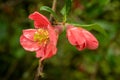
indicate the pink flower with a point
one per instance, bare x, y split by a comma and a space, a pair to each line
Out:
42, 39
81, 38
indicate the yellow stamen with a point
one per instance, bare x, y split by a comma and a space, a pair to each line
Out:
41, 36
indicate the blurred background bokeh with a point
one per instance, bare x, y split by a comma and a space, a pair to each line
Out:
68, 63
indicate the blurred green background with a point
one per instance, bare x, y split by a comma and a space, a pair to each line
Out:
68, 63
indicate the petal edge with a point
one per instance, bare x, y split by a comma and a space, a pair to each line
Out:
39, 20
28, 44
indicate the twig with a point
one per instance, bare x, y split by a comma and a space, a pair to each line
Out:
39, 75
53, 8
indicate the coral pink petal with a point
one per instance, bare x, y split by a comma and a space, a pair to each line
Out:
81, 47
52, 35
92, 42
71, 38
29, 33
28, 44
40, 20
49, 51
76, 38
81, 42
41, 52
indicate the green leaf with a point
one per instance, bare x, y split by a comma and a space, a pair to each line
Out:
63, 11
68, 6
66, 9
48, 9
95, 27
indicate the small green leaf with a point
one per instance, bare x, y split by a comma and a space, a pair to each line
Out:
48, 9
68, 6
66, 9
95, 27
63, 11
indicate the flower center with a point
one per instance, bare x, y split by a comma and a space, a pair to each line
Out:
41, 36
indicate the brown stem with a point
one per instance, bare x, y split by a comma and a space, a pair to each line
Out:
54, 5
39, 75
53, 8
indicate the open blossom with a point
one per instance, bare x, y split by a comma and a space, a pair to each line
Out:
81, 38
42, 39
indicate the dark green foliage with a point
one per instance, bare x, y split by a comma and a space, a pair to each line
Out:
68, 63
